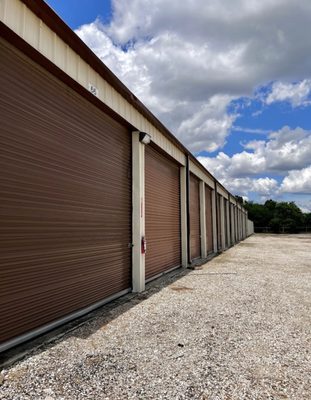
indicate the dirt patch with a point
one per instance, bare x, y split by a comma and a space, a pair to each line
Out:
246, 244
180, 288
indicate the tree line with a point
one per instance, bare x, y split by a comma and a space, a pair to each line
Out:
277, 217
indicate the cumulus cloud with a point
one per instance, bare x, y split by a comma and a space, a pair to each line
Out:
183, 61
207, 128
220, 166
295, 93
224, 170
297, 181
264, 187
285, 150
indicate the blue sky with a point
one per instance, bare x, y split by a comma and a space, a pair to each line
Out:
231, 81
78, 12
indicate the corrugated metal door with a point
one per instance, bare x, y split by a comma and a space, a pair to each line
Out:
209, 219
226, 222
65, 212
232, 224
239, 224
236, 222
219, 223
195, 233
162, 210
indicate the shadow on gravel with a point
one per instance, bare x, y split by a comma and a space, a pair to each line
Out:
90, 323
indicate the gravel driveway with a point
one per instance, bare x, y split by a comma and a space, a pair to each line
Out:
237, 329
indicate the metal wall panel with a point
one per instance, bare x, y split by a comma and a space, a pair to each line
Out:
203, 176
232, 200
65, 216
162, 210
195, 232
209, 219
222, 192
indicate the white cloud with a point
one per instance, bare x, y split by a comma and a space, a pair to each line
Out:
288, 149
182, 61
264, 187
295, 93
297, 181
166, 89
285, 150
208, 127
225, 169
251, 130
256, 113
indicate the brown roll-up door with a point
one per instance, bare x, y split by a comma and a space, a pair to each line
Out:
209, 219
240, 225
236, 222
226, 222
219, 227
195, 232
162, 211
231, 224
65, 212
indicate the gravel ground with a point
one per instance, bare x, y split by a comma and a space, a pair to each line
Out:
237, 329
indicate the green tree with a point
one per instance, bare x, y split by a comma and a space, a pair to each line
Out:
290, 216
279, 216
307, 219
257, 213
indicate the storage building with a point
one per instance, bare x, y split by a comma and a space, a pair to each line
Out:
97, 196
